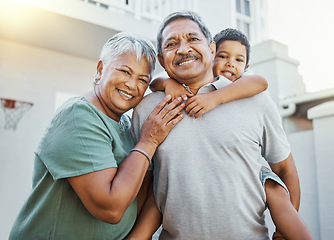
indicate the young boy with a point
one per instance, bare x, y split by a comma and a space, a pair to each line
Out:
231, 61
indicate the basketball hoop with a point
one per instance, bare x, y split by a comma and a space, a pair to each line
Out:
14, 110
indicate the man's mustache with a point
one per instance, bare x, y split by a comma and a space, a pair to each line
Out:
186, 56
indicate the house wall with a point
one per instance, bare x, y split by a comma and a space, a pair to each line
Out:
35, 75
323, 119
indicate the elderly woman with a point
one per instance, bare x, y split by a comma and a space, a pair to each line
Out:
88, 170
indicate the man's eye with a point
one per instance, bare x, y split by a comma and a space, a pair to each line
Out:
194, 39
170, 44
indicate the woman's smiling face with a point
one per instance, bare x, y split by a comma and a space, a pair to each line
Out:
123, 82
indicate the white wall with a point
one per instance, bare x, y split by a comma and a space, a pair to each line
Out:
323, 118
34, 75
217, 15
302, 148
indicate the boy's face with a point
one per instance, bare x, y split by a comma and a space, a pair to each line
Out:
230, 60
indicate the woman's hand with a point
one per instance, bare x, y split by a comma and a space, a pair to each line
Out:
159, 123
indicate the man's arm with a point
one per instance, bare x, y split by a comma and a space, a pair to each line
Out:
287, 171
149, 219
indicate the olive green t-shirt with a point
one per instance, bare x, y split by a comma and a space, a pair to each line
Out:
79, 140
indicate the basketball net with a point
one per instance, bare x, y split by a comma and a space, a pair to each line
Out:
14, 110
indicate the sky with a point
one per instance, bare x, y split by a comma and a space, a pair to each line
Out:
307, 28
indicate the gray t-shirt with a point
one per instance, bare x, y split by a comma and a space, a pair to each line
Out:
206, 173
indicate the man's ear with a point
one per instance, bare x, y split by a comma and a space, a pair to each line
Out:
161, 61
99, 69
213, 47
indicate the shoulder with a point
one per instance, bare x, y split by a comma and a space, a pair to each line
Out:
150, 101
75, 104
221, 82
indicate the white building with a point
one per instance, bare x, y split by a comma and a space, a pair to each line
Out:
49, 50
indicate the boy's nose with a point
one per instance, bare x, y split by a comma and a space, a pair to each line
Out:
230, 64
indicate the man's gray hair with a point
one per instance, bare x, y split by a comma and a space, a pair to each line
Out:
182, 15
124, 42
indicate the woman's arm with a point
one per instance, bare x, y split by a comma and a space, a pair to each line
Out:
108, 193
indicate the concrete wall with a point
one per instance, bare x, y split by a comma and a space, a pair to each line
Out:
35, 75
323, 120
271, 59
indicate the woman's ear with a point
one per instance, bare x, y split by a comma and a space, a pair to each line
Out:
99, 69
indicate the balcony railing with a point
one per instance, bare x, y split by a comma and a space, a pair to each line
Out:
154, 10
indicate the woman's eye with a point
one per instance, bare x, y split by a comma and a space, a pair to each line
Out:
125, 71
143, 80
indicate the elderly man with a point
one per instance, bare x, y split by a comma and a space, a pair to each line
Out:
206, 173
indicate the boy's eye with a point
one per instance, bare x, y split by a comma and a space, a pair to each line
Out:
240, 60
222, 56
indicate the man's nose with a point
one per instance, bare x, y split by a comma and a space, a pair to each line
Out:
183, 48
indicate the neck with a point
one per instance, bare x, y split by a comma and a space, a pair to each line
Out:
196, 83
96, 100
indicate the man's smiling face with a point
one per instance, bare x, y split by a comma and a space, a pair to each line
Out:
186, 54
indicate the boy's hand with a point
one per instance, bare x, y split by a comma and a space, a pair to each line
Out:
176, 90
200, 104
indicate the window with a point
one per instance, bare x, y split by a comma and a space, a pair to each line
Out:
244, 20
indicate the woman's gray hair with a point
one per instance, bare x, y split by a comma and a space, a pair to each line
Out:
124, 42
183, 15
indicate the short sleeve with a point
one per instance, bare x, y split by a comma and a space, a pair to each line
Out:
276, 147
77, 142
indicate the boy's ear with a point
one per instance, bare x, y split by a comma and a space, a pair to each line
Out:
161, 61
247, 66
